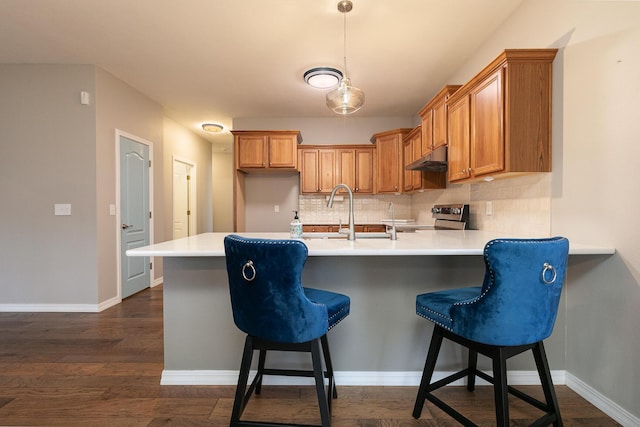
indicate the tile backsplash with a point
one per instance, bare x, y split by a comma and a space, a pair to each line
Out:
520, 206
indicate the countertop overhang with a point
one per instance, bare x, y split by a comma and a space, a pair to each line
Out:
427, 242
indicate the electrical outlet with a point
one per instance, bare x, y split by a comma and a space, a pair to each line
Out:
62, 209
489, 208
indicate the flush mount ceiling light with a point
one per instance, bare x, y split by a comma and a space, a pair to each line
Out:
322, 77
212, 127
346, 99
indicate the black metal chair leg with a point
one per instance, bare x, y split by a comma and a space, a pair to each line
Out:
243, 377
427, 373
318, 373
542, 364
500, 388
473, 366
261, 361
327, 361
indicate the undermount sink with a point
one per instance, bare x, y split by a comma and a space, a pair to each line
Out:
336, 235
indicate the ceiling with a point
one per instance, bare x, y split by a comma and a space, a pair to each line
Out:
215, 60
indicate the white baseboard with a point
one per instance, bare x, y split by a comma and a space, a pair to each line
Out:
109, 303
49, 308
602, 402
408, 378
158, 281
345, 378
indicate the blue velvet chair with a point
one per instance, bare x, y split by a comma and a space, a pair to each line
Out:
270, 305
513, 311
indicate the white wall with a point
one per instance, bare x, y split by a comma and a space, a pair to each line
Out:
55, 150
222, 169
596, 144
47, 156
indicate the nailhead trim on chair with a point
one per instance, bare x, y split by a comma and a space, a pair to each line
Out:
479, 297
339, 313
296, 242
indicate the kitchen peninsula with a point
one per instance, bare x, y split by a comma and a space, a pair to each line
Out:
381, 342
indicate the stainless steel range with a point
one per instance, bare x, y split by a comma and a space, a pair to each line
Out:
451, 217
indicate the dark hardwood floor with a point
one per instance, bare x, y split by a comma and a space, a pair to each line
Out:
103, 369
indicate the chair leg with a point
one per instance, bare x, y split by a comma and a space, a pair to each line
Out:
261, 361
427, 373
540, 357
329, 365
473, 367
243, 377
318, 373
500, 388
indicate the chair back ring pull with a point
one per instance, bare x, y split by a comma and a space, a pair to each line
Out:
549, 267
249, 265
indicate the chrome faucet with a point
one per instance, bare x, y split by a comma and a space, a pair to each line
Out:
352, 232
394, 234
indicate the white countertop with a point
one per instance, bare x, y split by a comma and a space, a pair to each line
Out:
427, 242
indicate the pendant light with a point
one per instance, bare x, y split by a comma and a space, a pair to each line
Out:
345, 99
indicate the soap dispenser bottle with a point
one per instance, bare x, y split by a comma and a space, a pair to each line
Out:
295, 228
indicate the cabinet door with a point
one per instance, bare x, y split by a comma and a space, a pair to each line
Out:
407, 155
282, 151
252, 151
426, 145
346, 169
487, 132
364, 170
388, 173
439, 125
326, 170
309, 167
458, 154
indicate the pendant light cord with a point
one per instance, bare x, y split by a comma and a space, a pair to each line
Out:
346, 74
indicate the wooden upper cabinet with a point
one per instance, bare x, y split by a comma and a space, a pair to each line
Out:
355, 169
499, 123
266, 151
317, 170
412, 150
419, 180
322, 167
389, 163
434, 120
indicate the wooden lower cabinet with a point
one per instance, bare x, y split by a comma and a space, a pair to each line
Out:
333, 228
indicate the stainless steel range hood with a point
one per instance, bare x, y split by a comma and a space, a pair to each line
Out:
435, 161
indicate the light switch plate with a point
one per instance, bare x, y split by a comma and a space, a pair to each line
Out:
62, 209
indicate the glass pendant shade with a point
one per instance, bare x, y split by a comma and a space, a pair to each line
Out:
346, 99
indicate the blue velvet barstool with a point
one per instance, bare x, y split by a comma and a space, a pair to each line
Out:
270, 305
513, 311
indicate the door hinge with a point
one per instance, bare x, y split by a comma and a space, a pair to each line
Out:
188, 213
150, 266
149, 163
188, 177
150, 215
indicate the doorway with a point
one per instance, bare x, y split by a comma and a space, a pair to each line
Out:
135, 218
184, 198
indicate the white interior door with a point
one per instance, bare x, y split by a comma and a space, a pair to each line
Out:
183, 200
135, 215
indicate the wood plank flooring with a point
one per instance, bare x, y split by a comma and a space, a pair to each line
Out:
103, 369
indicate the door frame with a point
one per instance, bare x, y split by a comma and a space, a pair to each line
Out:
193, 189
120, 133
